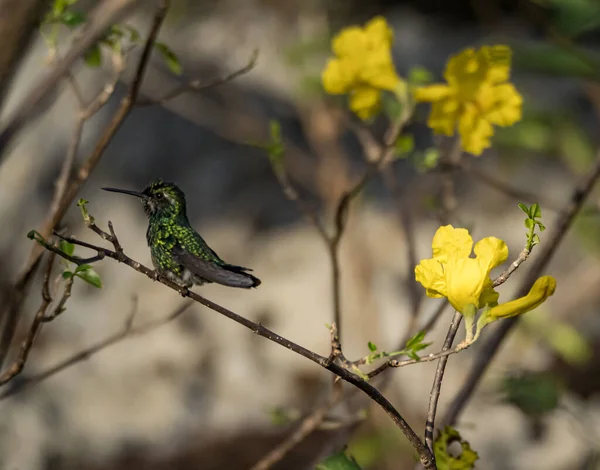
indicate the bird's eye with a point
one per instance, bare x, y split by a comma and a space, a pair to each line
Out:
159, 195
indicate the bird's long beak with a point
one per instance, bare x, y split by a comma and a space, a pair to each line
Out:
126, 191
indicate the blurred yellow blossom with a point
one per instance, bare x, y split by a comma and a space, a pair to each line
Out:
466, 282
362, 67
476, 97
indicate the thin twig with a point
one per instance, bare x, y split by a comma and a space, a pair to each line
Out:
424, 453
36, 326
21, 286
548, 249
436, 388
197, 85
311, 422
105, 14
126, 332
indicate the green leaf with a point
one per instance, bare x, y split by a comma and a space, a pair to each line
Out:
134, 35
536, 210
416, 339
534, 393
67, 274
391, 106
275, 149
419, 76
528, 223
431, 157
66, 247
444, 459
82, 268
59, 6
339, 461
93, 56
169, 57
372, 347
91, 277
524, 208
72, 18
404, 145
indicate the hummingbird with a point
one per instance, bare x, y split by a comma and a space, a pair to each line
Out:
178, 252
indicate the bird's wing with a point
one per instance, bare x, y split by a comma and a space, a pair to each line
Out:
213, 272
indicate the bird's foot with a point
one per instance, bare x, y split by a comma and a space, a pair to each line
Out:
184, 291
155, 275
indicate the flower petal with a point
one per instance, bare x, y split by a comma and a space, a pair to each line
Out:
378, 33
365, 102
449, 242
475, 131
444, 117
430, 273
504, 108
350, 42
464, 280
338, 77
431, 93
498, 59
543, 288
491, 252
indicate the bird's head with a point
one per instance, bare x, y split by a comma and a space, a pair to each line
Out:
159, 199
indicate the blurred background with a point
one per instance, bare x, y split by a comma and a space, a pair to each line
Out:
201, 391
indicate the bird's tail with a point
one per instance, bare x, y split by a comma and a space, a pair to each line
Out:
240, 276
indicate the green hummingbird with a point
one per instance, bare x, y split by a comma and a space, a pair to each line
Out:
178, 252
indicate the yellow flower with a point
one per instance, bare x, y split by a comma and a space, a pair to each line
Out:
466, 282
362, 67
476, 97
452, 273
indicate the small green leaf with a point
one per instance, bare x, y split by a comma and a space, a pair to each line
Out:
540, 225
413, 355
134, 35
372, 347
524, 208
82, 268
87, 218
416, 339
339, 461
536, 211
93, 56
67, 275
66, 247
419, 75
431, 157
91, 277
446, 461
72, 18
169, 57
59, 6
404, 145
528, 223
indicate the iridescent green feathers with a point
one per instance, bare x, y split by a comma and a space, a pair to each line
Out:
177, 250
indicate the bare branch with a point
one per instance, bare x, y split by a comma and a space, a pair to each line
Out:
19, 363
259, 329
127, 332
436, 388
197, 85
